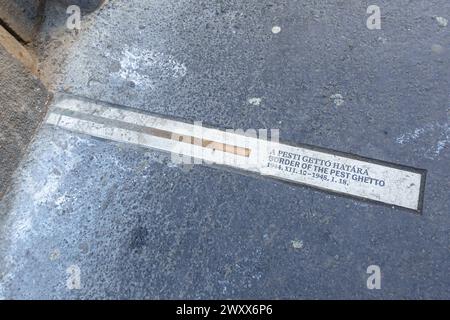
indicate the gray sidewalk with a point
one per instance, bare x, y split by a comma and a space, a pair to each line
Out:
133, 225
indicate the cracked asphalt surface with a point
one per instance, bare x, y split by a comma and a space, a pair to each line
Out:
138, 226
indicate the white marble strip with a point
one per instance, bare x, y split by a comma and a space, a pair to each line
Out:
322, 169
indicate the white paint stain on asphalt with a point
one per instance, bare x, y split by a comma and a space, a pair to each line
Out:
60, 201
442, 22
437, 48
276, 29
411, 136
437, 133
54, 255
145, 67
321, 169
